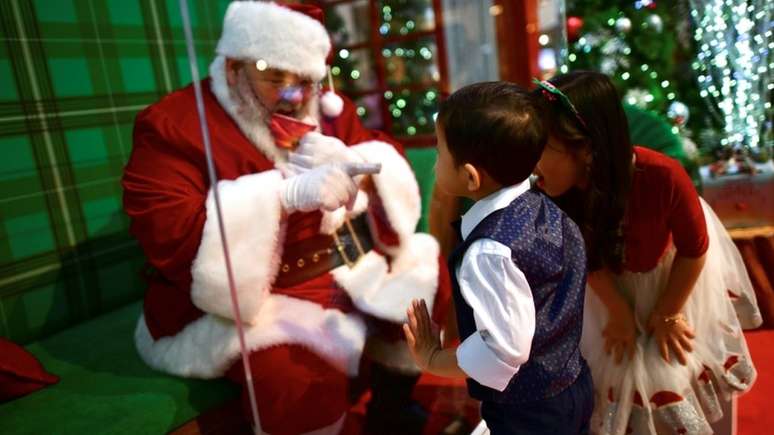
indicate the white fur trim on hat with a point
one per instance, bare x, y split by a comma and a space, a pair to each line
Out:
285, 39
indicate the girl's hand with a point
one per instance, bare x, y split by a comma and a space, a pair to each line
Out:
422, 335
672, 332
620, 333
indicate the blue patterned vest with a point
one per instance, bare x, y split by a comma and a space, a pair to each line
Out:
548, 248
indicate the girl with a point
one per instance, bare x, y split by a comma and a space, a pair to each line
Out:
668, 293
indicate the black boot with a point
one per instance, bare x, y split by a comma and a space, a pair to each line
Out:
391, 410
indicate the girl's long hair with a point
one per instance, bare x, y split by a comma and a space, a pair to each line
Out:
599, 210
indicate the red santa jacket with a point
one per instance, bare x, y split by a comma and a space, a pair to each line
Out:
186, 328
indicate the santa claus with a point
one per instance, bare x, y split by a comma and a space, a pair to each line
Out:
325, 259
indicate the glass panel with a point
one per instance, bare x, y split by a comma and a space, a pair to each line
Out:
553, 37
370, 110
348, 23
354, 70
402, 17
412, 111
471, 45
411, 62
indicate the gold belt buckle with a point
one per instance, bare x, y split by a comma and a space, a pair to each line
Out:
340, 246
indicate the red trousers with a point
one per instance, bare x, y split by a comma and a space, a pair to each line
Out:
297, 391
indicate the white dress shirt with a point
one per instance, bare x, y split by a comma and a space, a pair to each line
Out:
501, 299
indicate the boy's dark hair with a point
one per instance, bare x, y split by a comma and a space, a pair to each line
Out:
494, 126
599, 210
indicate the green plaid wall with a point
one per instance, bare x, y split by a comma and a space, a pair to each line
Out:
73, 75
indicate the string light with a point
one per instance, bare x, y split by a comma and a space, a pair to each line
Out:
610, 52
735, 66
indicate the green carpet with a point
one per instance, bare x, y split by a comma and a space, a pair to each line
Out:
105, 388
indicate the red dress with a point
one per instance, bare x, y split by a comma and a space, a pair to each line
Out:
663, 207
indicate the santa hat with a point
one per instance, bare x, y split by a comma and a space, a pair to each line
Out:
288, 37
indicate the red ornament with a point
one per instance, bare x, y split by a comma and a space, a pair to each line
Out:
574, 26
288, 131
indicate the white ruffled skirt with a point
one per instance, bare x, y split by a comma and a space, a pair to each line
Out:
647, 395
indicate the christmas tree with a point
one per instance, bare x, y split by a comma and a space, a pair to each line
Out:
643, 46
733, 67
662, 58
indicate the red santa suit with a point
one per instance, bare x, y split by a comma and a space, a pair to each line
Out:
307, 339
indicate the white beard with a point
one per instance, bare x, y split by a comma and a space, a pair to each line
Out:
250, 114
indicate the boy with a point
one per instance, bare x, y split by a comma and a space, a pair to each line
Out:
519, 273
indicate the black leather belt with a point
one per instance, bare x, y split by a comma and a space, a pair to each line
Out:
312, 257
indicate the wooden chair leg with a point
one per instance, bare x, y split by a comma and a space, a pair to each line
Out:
765, 248
764, 292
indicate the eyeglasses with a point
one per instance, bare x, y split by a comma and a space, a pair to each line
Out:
552, 93
276, 80
290, 91
280, 84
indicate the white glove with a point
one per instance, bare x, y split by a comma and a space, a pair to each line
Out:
316, 149
325, 187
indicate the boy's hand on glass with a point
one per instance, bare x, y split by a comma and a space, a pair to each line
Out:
672, 332
620, 333
422, 334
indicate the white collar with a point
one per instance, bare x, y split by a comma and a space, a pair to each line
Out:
489, 204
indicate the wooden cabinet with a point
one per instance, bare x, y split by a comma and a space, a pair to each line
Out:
741, 200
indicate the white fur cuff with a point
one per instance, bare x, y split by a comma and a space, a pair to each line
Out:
385, 293
207, 347
251, 212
